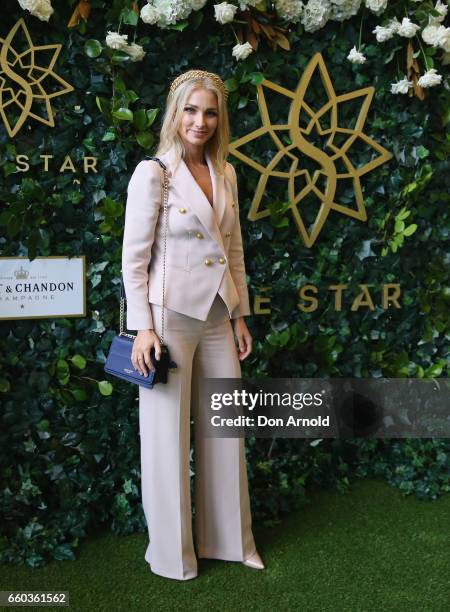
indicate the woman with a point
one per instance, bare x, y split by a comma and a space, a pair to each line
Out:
205, 287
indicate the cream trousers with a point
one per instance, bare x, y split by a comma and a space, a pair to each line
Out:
201, 349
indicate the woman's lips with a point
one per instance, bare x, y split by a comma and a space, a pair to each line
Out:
198, 133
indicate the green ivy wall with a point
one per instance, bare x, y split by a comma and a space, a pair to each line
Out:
69, 447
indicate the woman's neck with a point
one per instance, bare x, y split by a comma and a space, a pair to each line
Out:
195, 156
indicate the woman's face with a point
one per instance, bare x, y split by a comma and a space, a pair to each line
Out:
200, 117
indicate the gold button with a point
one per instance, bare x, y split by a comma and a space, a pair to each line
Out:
221, 260
208, 262
199, 235
228, 234
182, 210
233, 205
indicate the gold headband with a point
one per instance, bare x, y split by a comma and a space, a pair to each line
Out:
196, 74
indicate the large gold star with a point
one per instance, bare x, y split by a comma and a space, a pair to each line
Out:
22, 80
304, 126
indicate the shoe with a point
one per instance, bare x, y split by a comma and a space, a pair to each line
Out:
254, 561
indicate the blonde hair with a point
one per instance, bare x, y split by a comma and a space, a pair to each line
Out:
217, 145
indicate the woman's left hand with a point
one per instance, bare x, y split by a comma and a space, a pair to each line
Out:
243, 337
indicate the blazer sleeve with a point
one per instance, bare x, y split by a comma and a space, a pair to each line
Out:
141, 215
236, 259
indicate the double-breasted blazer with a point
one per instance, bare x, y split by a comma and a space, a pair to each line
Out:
204, 254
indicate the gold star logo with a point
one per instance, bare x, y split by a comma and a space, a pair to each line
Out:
313, 171
25, 79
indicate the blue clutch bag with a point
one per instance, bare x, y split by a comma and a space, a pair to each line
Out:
118, 363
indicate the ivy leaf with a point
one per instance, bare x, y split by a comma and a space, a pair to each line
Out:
79, 361
145, 139
105, 387
410, 229
124, 114
92, 48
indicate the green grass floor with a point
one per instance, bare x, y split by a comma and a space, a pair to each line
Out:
370, 550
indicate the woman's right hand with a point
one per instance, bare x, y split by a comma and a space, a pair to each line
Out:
140, 354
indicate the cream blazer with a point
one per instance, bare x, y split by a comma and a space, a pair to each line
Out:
204, 254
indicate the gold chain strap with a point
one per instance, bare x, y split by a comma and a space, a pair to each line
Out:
122, 300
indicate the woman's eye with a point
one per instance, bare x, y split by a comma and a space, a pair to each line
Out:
212, 113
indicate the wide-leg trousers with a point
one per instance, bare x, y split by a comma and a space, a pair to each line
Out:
223, 524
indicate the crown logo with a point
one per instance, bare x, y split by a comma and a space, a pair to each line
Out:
315, 152
21, 273
22, 80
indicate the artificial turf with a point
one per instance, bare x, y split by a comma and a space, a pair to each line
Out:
369, 550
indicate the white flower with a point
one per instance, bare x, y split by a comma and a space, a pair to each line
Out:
136, 52
376, 6
436, 35
407, 28
440, 8
430, 78
386, 32
224, 12
114, 40
356, 57
171, 11
289, 10
401, 87
149, 14
39, 8
393, 24
315, 14
383, 34
343, 9
244, 4
242, 51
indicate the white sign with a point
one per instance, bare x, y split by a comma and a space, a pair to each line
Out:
45, 287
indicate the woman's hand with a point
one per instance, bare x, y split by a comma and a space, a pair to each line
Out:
243, 337
140, 354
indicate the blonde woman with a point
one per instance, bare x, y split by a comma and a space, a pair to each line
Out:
206, 301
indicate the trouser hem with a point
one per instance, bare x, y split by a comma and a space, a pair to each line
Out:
209, 553
166, 574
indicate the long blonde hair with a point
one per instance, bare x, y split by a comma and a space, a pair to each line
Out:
217, 145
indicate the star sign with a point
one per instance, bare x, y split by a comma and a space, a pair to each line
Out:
332, 162
24, 78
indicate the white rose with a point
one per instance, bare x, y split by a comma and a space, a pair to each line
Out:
356, 57
242, 51
376, 6
114, 40
38, 8
224, 12
149, 14
430, 78
136, 52
401, 87
383, 34
393, 24
440, 8
436, 35
407, 28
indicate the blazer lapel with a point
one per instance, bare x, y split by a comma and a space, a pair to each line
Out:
197, 200
218, 191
